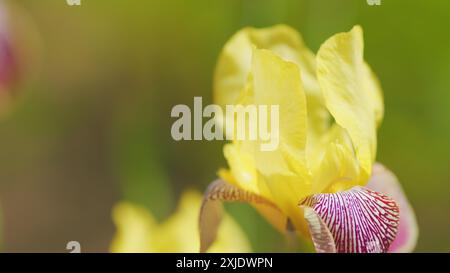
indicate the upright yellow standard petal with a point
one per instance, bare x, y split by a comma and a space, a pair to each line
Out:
235, 63
235, 59
372, 85
274, 81
277, 82
280, 175
347, 87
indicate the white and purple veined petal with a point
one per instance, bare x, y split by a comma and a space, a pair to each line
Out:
385, 181
358, 220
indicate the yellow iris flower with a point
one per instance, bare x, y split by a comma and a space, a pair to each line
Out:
330, 106
138, 231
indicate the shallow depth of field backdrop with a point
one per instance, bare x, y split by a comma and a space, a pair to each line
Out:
93, 124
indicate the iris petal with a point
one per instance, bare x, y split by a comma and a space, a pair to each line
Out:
385, 181
321, 235
234, 62
359, 220
277, 82
211, 210
351, 93
280, 175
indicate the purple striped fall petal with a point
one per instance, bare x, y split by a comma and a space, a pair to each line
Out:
359, 220
384, 181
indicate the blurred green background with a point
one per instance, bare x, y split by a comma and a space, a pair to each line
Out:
93, 125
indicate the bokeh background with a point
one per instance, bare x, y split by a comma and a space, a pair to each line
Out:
91, 122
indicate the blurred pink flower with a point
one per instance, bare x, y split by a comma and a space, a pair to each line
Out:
9, 70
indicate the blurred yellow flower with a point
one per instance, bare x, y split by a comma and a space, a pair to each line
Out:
138, 231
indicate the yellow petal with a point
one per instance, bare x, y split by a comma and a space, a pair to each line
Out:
376, 94
180, 232
235, 60
280, 175
138, 232
286, 192
334, 166
346, 86
135, 229
242, 168
230, 238
277, 82
274, 82
338, 170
